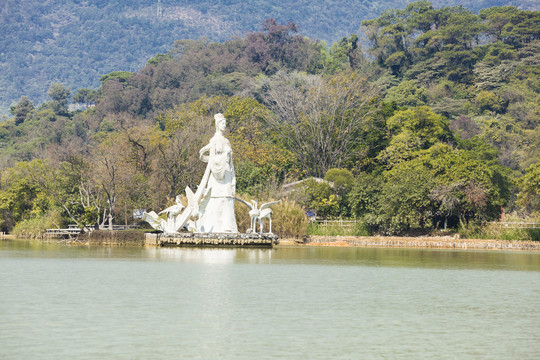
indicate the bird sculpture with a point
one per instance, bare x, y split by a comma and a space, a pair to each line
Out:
193, 208
175, 209
259, 214
172, 215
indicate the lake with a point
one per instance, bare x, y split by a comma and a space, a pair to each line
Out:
79, 302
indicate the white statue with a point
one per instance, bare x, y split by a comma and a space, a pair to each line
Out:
173, 214
154, 220
211, 208
192, 208
259, 214
216, 211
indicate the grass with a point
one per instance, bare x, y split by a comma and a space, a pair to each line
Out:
499, 233
336, 229
503, 230
122, 237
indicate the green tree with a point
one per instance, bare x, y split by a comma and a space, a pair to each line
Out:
86, 96
511, 25
365, 195
158, 58
20, 198
59, 95
121, 76
529, 189
319, 196
423, 123
497, 20
406, 93
487, 101
344, 54
436, 186
469, 186
23, 108
404, 203
412, 130
342, 180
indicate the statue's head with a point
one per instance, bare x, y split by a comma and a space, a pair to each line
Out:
220, 120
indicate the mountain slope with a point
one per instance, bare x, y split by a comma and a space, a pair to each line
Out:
75, 42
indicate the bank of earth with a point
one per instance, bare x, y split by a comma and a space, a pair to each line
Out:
137, 238
441, 242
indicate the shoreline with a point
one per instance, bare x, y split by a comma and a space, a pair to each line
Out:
422, 242
441, 242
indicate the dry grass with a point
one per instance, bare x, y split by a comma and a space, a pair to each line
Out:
241, 211
289, 220
123, 237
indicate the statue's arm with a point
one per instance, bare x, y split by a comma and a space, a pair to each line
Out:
202, 153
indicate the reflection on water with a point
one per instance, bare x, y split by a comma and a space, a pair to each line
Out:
388, 257
290, 303
210, 255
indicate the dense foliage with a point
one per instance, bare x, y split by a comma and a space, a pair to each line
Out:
436, 126
75, 42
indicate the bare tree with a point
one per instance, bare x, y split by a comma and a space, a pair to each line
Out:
118, 171
178, 160
320, 120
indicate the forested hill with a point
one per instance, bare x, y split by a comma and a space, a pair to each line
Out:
75, 42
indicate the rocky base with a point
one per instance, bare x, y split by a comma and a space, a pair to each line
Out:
211, 239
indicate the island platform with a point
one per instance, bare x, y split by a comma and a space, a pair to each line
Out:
211, 239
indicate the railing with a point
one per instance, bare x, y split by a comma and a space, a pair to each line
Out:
105, 227
515, 225
341, 223
74, 230
506, 225
119, 227
69, 231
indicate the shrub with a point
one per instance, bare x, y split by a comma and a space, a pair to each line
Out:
319, 196
362, 229
498, 232
31, 228
289, 220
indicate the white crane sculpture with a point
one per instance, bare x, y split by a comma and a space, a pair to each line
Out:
172, 214
169, 225
259, 214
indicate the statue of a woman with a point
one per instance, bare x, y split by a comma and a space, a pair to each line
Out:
217, 213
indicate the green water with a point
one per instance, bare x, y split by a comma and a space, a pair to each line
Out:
65, 302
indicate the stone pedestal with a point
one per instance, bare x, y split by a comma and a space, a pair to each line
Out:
211, 239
